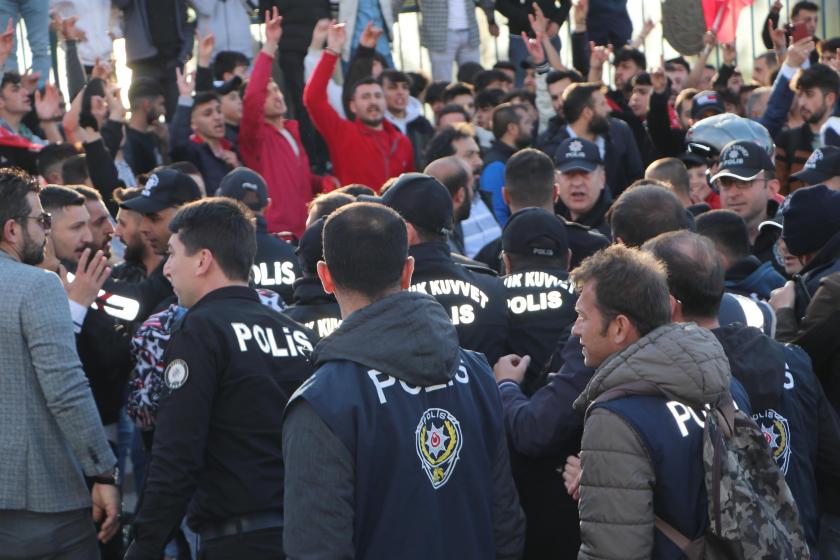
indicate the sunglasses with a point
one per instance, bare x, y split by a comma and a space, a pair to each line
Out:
45, 220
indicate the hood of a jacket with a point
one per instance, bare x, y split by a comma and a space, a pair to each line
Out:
757, 361
413, 110
685, 361
752, 276
827, 255
407, 335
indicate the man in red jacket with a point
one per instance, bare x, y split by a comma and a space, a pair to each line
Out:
368, 150
271, 145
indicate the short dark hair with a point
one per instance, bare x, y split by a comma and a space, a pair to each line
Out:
223, 226
504, 65
10, 77
203, 97
828, 45
440, 144
365, 248
641, 79
227, 61
434, 92
528, 96
468, 71
803, 5
557, 75
53, 155
124, 194
673, 172
627, 282
327, 203
487, 77
770, 58
644, 211
56, 197
186, 167
577, 97
819, 76
627, 53
15, 184
504, 115
453, 108
143, 88
455, 89
695, 272
727, 230
356, 189
74, 170
418, 83
679, 61
369, 80
394, 76
685, 96
87, 192
529, 178
488, 98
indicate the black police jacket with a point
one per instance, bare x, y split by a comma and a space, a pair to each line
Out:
275, 264
232, 364
152, 293
541, 305
475, 302
596, 218
314, 308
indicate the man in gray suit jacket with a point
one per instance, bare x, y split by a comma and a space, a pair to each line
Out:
51, 436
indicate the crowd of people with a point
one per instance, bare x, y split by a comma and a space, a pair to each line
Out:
326, 308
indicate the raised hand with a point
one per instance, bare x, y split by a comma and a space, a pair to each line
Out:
186, 82
580, 10
206, 44
658, 77
799, 52
273, 28
7, 38
777, 37
89, 278
539, 23
101, 70
48, 105
69, 30
319, 33
336, 37
535, 48
729, 53
370, 35
599, 55
116, 109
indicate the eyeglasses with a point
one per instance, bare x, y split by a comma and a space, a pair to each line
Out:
45, 220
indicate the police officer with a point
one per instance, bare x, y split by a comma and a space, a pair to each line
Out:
313, 307
475, 301
394, 448
540, 299
232, 364
583, 195
275, 266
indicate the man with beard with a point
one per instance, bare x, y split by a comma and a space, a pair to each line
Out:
45, 399
480, 228
368, 150
99, 220
454, 174
817, 90
512, 126
142, 149
587, 114
138, 259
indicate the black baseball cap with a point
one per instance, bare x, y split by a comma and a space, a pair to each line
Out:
535, 232
577, 154
811, 219
166, 188
241, 181
822, 165
310, 248
421, 200
705, 104
743, 160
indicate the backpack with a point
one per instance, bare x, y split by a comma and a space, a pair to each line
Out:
752, 513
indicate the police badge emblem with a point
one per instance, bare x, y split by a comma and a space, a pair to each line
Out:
176, 374
776, 431
439, 442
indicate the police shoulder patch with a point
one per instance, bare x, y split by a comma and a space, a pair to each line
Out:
176, 374
439, 440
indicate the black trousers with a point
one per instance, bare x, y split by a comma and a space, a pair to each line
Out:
67, 535
266, 544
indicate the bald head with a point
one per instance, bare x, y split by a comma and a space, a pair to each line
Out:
672, 172
454, 173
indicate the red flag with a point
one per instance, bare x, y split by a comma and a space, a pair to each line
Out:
722, 17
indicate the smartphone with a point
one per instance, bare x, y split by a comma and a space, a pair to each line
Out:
797, 31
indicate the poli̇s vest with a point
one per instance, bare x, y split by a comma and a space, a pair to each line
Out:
672, 433
423, 457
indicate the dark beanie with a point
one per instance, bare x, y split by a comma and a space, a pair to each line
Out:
811, 218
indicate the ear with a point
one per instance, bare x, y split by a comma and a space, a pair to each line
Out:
676, 310
413, 237
506, 263
773, 186
568, 258
267, 204
326, 277
460, 197
204, 262
622, 330
506, 196
10, 232
408, 270
555, 192
352, 106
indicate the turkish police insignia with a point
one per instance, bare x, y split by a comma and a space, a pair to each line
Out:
176, 374
776, 431
439, 442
